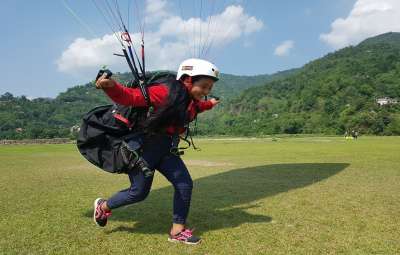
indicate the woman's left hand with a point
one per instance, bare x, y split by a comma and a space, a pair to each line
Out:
214, 101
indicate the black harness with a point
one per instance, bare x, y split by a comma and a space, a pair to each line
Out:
105, 129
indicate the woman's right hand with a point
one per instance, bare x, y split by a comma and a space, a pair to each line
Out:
103, 82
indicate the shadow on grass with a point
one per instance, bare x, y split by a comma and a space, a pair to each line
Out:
220, 201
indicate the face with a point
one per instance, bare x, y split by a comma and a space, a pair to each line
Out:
201, 88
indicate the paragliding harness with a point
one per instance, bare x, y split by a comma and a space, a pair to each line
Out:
111, 136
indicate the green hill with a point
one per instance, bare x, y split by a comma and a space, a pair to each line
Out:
330, 95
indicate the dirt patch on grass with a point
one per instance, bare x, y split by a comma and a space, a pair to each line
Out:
198, 162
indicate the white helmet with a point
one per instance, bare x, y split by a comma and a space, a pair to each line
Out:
195, 66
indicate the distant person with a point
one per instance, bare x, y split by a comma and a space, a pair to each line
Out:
354, 134
176, 104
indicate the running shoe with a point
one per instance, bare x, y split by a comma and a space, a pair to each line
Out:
99, 215
185, 236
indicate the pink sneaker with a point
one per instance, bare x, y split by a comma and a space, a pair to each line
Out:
99, 215
185, 236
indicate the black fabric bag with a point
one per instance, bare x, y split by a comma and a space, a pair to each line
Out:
106, 129
102, 134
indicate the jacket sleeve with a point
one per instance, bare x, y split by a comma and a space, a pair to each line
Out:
133, 96
204, 105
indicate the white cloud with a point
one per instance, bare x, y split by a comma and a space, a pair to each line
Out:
173, 40
85, 54
227, 26
284, 48
367, 18
156, 10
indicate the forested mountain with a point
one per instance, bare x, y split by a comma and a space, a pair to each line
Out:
330, 95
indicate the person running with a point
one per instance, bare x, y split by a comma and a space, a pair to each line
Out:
175, 105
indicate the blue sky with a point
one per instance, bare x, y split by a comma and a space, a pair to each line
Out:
42, 56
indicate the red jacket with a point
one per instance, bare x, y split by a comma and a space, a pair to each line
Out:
158, 94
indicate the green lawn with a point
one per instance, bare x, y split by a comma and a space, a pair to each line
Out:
312, 195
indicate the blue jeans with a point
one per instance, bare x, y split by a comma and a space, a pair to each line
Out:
156, 151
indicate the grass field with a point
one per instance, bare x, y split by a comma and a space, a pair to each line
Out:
314, 195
